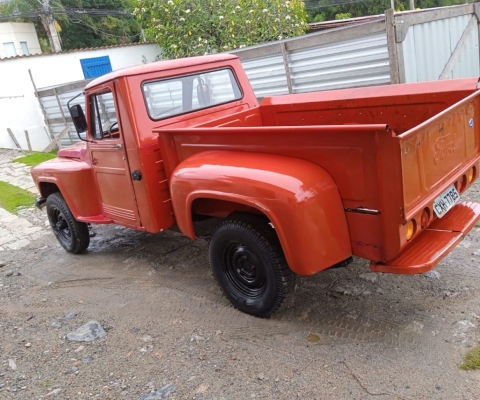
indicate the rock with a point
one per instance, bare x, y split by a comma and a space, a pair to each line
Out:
28, 345
161, 393
313, 338
369, 276
53, 392
12, 364
464, 325
146, 349
202, 388
79, 349
348, 290
147, 338
432, 274
8, 273
461, 334
475, 253
57, 324
415, 326
261, 377
70, 316
2, 264
366, 293
88, 332
196, 338
74, 369
87, 360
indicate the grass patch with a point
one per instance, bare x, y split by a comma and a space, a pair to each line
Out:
12, 197
472, 359
35, 158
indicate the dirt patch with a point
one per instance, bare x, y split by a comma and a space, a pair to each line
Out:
170, 333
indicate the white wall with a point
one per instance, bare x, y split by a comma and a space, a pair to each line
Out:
19, 108
17, 32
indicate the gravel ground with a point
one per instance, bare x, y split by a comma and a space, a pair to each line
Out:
169, 333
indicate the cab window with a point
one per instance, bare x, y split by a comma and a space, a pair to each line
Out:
183, 94
104, 124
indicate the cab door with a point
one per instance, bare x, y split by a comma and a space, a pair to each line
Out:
109, 159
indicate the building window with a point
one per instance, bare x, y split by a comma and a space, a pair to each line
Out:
95, 67
9, 48
24, 48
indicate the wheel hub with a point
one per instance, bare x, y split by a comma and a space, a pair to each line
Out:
245, 269
61, 224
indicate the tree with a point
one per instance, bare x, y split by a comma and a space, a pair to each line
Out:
78, 29
328, 9
92, 31
185, 28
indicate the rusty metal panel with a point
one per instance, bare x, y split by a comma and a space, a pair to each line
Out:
360, 61
428, 47
267, 75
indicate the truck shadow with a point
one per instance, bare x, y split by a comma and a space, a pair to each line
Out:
341, 305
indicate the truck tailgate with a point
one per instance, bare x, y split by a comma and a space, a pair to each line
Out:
437, 152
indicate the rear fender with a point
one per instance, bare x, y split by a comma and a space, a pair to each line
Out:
298, 197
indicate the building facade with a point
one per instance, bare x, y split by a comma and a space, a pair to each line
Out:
18, 39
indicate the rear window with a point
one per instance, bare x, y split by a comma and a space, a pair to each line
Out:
183, 94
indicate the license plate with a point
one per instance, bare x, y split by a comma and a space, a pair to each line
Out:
446, 201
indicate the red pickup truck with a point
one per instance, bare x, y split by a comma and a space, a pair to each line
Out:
298, 183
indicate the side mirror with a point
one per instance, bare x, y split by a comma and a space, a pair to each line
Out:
78, 117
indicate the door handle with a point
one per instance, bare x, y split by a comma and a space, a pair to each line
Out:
117, 146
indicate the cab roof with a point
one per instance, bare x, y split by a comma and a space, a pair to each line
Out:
163, 65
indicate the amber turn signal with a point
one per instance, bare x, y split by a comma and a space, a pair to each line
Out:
410, 229
471, 175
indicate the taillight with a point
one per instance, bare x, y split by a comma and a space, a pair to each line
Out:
471, 175
463, 184
425, 218
411, 225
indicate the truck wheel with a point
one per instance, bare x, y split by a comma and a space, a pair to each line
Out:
248, 263
71, 234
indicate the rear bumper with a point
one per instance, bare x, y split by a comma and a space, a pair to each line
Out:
435, 242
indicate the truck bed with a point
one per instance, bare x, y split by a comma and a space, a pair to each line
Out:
389, 149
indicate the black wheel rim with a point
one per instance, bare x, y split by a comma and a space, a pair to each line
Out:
60, 225
244, 270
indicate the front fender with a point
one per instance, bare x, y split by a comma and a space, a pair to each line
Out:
74, 179
299, 197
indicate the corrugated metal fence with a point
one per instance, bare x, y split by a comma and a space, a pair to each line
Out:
414, 46
446, 46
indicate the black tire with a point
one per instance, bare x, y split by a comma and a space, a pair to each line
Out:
71, 234
248, 263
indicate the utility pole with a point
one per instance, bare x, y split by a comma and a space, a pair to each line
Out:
412, 4
47, 11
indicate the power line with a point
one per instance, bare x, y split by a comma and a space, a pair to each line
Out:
93, 12
79, 21
333, 4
